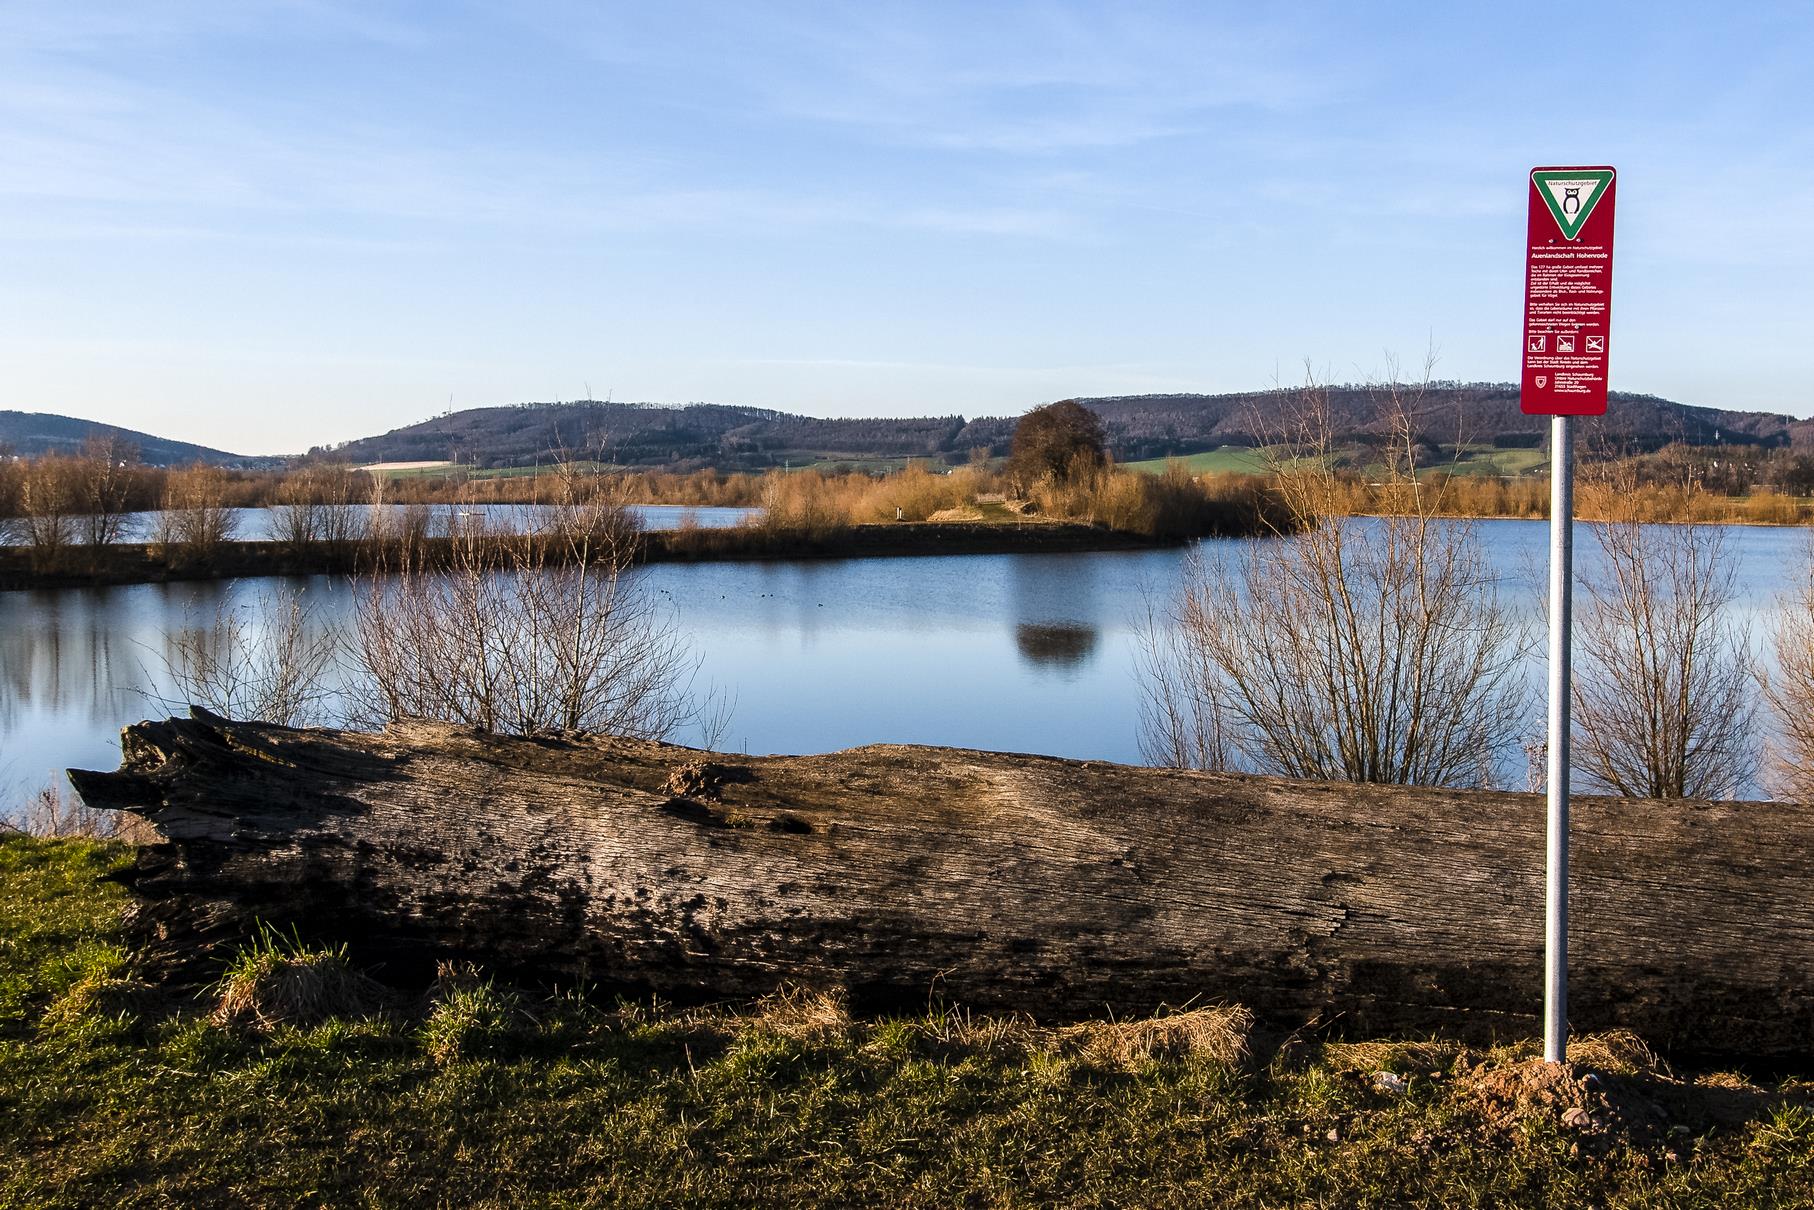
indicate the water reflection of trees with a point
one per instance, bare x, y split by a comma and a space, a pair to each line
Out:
65, 653
1058, 644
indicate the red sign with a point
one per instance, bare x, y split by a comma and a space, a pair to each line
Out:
1568, 291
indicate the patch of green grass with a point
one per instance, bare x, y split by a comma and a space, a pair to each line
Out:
867, 466
1228, 458
1491, 460
478, 1095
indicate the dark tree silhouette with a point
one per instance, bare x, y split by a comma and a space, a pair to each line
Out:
1056, 439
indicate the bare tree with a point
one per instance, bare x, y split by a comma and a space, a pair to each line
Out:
266, 660
1665, 704
525, 634
401, 529
1371, 649
50, 506
195, 518
106, 487
297, 517
1182, 723
1789, 691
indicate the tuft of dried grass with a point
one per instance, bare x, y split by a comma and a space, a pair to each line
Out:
1219, 1033
100, 995
961, 1029
1617, 1052
1402, 1058
803, 1014
279, 981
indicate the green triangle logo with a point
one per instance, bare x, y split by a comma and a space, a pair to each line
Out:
1571, 194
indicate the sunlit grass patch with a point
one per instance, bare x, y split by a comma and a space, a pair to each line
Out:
483, 1093
277, 980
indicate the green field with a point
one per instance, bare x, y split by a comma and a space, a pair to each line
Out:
442, 470
116, 1093
1488, 460
1229, 458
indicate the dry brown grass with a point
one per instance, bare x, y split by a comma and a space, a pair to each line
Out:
55, 814
802, 1014
1219, 1032
1618, 1052
103, 994
277, 981
1402, 1058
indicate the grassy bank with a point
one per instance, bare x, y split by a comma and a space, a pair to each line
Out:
112, 1093
148, 564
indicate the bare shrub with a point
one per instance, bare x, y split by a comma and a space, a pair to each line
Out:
316, 505
1182, 721
1789, 691
1665, 704
1373, 651
195, 518
54, 813
296, 518
803, 502
520, 635
270, 667
398, 528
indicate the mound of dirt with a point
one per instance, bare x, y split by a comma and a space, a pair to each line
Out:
956, 514
1626, 1099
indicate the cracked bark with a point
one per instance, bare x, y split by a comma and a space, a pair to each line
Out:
1005, 882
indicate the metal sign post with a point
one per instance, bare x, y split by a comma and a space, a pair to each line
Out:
1567, 331
1555, 885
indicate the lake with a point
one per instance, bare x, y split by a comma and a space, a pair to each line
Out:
1030, 653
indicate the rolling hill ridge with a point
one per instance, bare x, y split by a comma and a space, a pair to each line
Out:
1139, 427
34, 433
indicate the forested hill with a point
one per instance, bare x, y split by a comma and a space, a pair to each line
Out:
33, 433
1139, 427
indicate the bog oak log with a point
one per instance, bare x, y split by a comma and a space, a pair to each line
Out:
1054, 887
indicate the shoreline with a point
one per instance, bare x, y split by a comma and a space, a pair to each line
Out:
147, 563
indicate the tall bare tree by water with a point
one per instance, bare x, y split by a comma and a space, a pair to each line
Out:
1371, 650
106, 477
1789, 690
48, 508
1665, 700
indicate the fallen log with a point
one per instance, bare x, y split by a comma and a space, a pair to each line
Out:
1005, 882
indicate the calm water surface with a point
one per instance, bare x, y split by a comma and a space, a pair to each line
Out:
1030, 653
261, 524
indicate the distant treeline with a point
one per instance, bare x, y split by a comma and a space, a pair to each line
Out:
55, 503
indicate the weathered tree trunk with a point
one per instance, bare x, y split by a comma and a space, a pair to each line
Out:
1027, 883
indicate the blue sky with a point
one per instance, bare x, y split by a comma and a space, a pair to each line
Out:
267, 226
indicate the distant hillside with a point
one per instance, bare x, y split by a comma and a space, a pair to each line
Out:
34, 433
1139, 427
